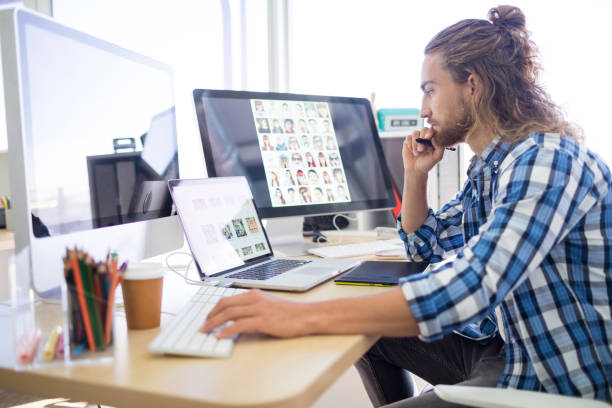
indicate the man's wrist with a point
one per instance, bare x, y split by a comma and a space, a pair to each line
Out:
314, 321
415, 175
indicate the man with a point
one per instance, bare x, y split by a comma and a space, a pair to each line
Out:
524, 297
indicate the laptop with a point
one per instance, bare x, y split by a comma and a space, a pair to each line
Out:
229, 244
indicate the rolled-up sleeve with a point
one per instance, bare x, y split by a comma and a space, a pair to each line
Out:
440, 235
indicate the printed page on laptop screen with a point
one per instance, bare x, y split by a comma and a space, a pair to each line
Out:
220, 222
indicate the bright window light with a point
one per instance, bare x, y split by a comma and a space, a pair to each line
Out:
354, 48
190, 36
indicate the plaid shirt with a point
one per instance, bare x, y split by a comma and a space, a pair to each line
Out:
532, 233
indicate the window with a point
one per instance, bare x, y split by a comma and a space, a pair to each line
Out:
353, 48
209, 44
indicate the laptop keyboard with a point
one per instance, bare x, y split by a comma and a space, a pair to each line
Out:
268, 270
182, 335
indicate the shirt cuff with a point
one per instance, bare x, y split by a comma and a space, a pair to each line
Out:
420, 241
417, 292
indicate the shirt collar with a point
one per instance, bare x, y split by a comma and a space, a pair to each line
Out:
491, 157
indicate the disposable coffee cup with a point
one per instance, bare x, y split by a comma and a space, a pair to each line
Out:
142, 294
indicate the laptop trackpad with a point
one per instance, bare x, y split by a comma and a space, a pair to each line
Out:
305, 274
316, 271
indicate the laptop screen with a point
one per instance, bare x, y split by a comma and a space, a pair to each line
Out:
220, 222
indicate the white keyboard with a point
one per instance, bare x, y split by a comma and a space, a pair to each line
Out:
357, 249
182, 337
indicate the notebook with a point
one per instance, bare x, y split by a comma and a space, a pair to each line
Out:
228, 241
380, 273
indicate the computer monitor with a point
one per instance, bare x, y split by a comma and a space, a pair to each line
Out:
71, 101
301, 154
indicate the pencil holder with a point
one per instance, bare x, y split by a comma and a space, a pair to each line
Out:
95, 346
91, 288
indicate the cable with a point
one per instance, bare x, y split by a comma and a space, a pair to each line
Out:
185, 278
319, 239
336, 225
188, 280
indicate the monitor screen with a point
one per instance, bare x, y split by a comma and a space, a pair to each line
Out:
301, 154
99, 131
92, 142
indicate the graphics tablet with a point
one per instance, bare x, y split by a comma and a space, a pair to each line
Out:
380, 273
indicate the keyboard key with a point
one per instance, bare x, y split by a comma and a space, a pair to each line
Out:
224, 346
268, 270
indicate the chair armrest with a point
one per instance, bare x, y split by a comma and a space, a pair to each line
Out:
487, 397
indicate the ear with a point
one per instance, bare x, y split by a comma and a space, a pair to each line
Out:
472, 85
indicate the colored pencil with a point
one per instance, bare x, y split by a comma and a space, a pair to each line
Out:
82, 302
94, 313
49, 349
111, 300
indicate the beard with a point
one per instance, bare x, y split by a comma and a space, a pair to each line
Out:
455, 129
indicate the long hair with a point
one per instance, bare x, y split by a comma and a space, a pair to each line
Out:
510, 102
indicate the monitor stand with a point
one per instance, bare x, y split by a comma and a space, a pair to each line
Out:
286, 236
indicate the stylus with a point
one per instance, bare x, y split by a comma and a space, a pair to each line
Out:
427, 142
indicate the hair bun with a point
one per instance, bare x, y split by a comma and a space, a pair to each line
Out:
508, 17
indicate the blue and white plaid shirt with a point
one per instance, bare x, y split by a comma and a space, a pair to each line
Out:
532, 233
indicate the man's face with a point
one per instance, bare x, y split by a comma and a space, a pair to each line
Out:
445, 103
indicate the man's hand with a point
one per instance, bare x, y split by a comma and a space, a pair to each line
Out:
419, 158
384, 313
255, 311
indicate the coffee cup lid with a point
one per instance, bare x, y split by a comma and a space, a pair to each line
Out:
145, 270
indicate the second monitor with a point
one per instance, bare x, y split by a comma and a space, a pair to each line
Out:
301, 154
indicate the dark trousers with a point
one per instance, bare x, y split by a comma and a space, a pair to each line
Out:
452, 360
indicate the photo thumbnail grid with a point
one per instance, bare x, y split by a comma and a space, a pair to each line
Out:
243, 232
300, 152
